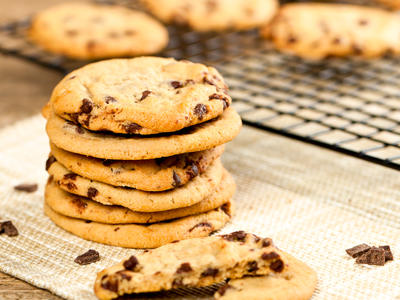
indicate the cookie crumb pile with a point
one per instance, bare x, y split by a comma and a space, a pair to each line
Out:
135, 152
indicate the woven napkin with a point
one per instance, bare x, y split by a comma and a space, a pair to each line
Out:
313, 202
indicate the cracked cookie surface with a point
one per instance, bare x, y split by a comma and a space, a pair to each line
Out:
191, 263
143, 95
92, 31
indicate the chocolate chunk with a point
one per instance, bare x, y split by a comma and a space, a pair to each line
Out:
176, 84
26, 187
224, 99
131, 128
184, 268
145, 94
71, 176
252, 266
277, 265
50, 161
208, 81
92, 192
292, 40
8, 228
237, 236
269, 256
193, 171
388, 252
202, 224
88, 221
87, 106
124, 275
375, 256
88, 257
116, 229
110, 99
80, 204
358, 250
177, 180
210, 272
71, 186
222, 289
74, 117
131, 263
107, 162
111, 285
79, 130
200, 110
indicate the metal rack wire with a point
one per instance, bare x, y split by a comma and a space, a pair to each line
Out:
349, 105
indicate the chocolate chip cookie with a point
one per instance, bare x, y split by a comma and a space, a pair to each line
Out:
144, 95
315, 30
93, 31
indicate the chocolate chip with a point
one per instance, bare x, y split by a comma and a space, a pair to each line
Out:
176, 84
252, 266
87, 106
71, 186
107, 162
131, 263
375, 256
177, 283
50, 161
88, 257
202, 224
71, 32
208, 81
79, 130
71, 176
90, 45
88, 221
26, 187
269, 256
277, 265
266, 242
226, 209
176, 180
184, 268
74, 117
210, 272
80, 204
111, 285
358, 250
8, 228
116, 229
131, 128
224, 99
237, 236
292, 40
388, 252
92, 192
145, 94
109, 99
200, 110
189, 81
193, 171
222, 289
124, 275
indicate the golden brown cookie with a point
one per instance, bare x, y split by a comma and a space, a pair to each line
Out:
91, 31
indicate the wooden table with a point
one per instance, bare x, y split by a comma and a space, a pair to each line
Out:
24, 88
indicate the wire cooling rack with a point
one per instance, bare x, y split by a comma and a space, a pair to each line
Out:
349, 105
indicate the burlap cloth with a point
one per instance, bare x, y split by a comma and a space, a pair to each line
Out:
313, 202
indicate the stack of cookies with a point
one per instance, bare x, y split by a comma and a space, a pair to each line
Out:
135, 152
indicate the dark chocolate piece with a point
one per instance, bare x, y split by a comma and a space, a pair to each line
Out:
8, 228
26, 187
358, 250
88, 257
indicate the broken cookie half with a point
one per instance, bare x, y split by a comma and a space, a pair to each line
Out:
202, 262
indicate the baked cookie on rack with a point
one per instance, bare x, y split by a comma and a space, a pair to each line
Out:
93, 31
214, 15
316, 30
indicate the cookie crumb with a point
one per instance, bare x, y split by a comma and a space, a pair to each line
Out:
88, 257
26, 187
8, 228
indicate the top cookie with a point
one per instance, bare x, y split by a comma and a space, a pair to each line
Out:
316, 30
209, 15
144, 95
89, 31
